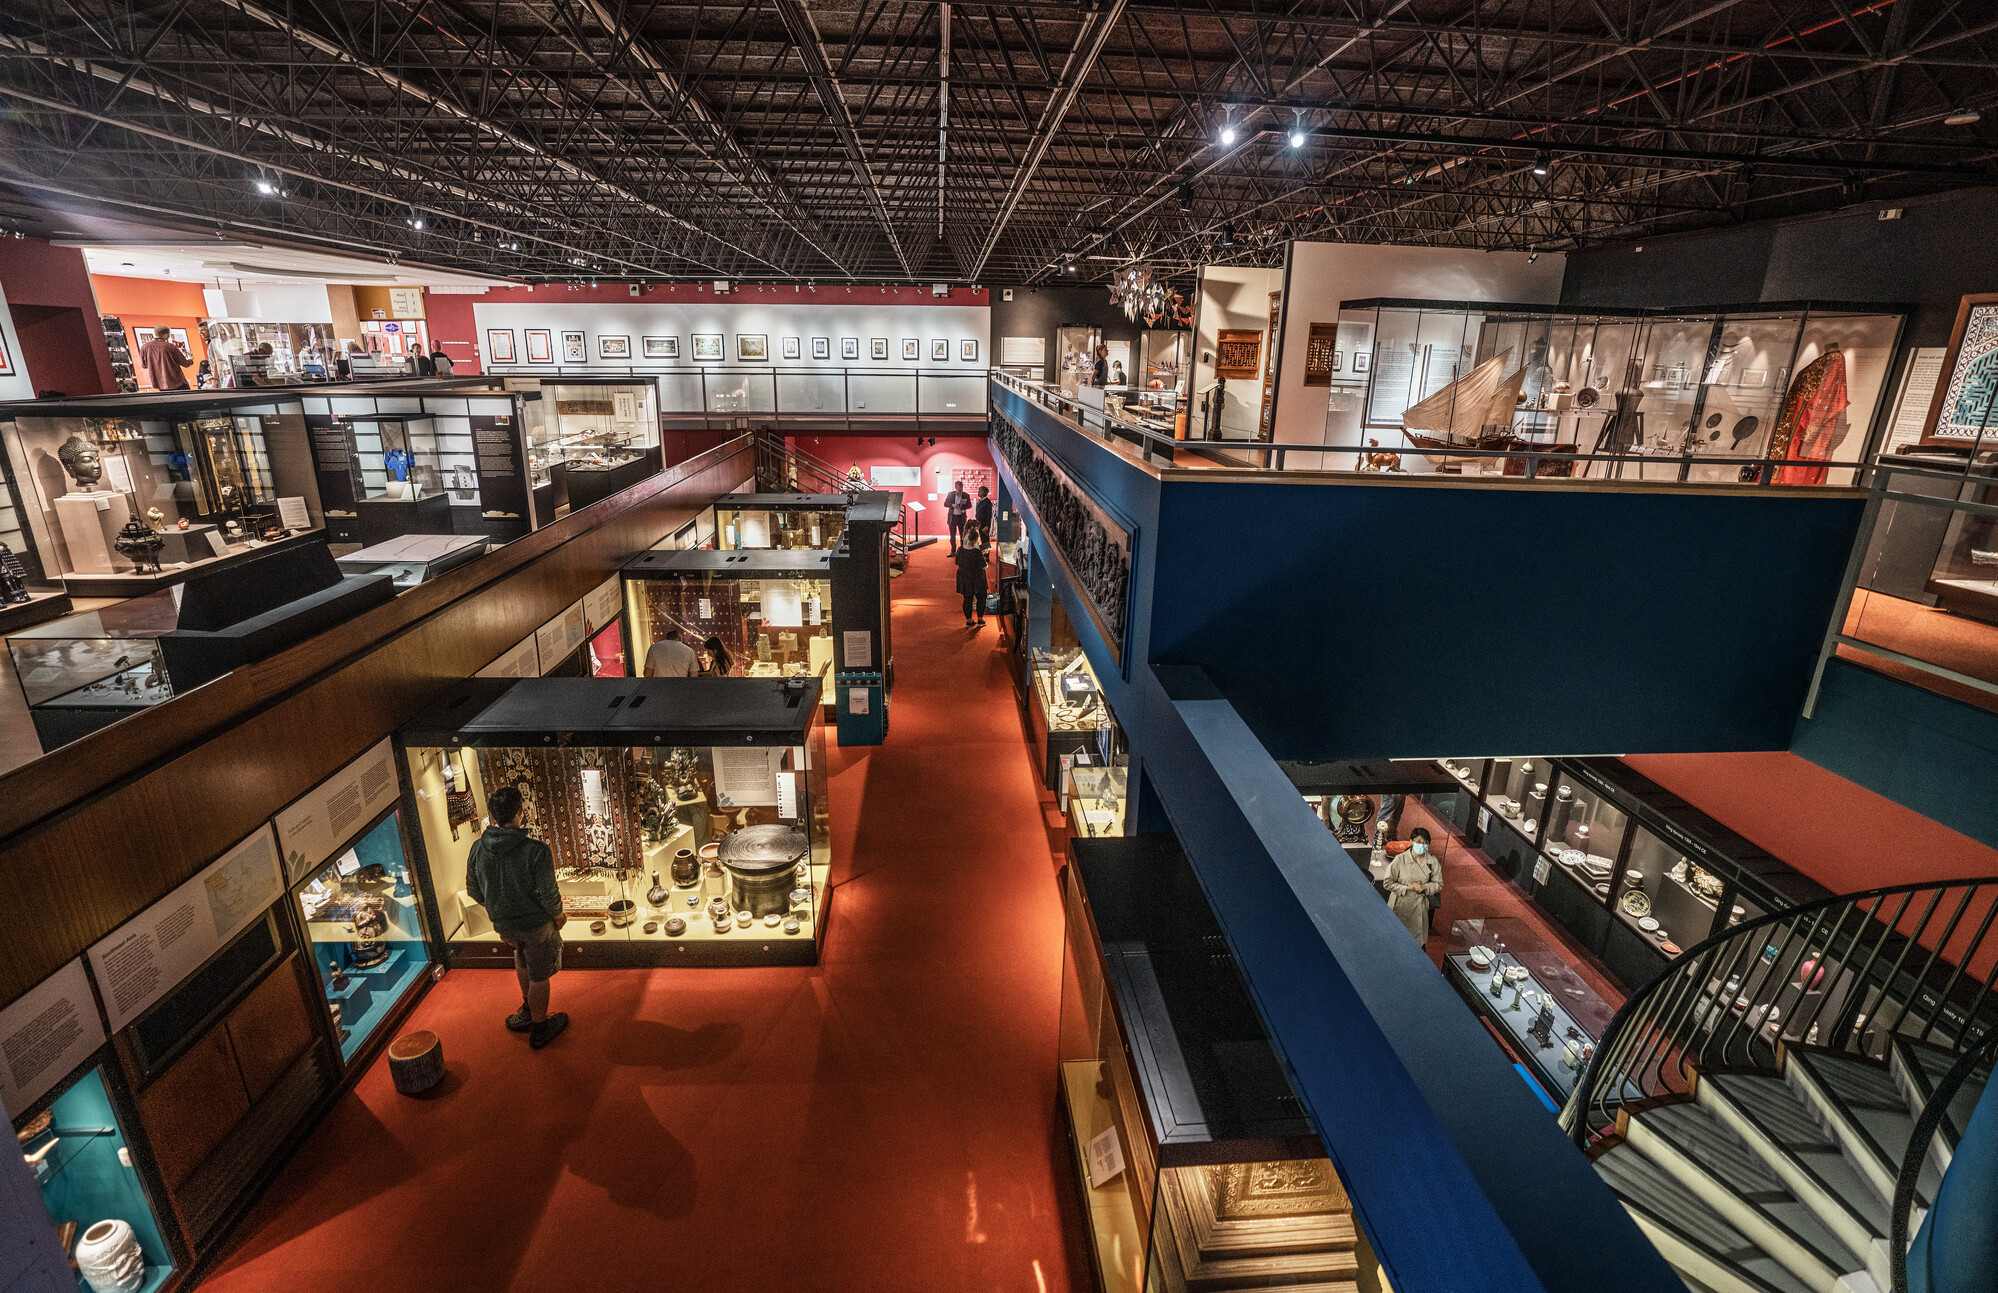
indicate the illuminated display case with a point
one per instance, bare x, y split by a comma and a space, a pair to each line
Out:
590, 438
772, 610
203, 471
361, 918
98, 1204
1803, 380
780, 520
1634, 884
688, 817
1196, 1167
1072, 721
86, 671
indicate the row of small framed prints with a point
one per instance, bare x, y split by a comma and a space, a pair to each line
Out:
750, 347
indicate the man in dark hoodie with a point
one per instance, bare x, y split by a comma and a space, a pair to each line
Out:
512, 875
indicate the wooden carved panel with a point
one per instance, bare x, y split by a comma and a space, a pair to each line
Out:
1238, 355
1247, 1225
1321, 354
1094, 545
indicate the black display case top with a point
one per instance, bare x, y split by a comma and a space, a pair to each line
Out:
750, 563
1211, 1084
881, 506
786, 502
621, 711
1368, 777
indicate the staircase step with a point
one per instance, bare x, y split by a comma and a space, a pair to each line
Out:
1696, 1147
1783, 1130
1920, 1069
1864, 1106
1708, 1252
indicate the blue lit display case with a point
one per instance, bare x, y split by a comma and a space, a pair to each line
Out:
364, 926
75, 1144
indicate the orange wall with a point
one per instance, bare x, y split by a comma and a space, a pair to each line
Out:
1840, 834
143, 304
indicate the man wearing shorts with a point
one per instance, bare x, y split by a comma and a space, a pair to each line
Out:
512, 875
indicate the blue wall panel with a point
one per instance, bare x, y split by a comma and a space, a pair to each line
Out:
1359, 620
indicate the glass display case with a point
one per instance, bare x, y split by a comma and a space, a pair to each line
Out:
1797, 381
415, 558
397, 476
688, 817
1549, 1017
1964, 579
1073, 725
1096, 801
86, 671
361, 919
1633, 882
97, 1203
796, 521
771, 610
588, 438
199, 477
1075, 348
1195, 1169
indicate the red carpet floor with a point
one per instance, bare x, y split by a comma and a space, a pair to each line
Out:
883, 1121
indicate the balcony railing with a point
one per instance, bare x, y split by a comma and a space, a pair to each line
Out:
1520, 463
721, 397
1920, 600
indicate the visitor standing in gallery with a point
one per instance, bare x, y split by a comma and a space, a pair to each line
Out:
957, 506
512, 875
970, 558
166, 364
669, 657
981, 512
720, 663
1414, 884
1100, 374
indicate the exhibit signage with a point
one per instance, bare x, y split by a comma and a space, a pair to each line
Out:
45, 1034
328, 815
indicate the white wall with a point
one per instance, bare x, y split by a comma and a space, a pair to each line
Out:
15, 385
682, 319
1322, 274
275, 303
1232, 298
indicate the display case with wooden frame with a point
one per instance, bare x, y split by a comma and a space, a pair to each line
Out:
1321, 354
1961, 410
1238, 354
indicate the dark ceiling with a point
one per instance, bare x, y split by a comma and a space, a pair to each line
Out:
835, 140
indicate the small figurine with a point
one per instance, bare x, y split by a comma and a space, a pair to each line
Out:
182, 523
156, 519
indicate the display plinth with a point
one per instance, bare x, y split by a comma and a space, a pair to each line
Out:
383, 519
183, 547
90, 523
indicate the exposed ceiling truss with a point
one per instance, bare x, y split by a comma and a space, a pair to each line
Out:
891, 140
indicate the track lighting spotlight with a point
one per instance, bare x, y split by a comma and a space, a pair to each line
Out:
1186, 197
1297, 129
1542, 163
1964, 116
1228, 126
264, 187
1227, 235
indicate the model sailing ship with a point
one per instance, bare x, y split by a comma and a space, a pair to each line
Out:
1474, 412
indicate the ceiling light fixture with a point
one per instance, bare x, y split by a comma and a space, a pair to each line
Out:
1542, 163
264, 187
1186, 197
1297, 129
1228, 126
1964, 116
1227, 235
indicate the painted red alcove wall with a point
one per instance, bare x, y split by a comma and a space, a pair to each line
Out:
48, 293
940, 464
143, 304
448, 317
1840, 834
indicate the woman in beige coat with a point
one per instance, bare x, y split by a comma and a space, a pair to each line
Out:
1414, 882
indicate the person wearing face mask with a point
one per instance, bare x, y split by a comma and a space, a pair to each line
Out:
1414, 884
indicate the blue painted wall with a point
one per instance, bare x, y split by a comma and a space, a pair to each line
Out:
1357, 620
1923, 751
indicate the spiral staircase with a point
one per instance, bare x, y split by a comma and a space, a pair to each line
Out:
1780, 1107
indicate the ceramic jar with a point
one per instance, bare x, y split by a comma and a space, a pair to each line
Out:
109, 1258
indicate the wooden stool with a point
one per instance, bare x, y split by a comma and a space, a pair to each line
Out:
416, 1062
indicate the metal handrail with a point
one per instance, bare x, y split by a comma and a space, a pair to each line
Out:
1536, 464
1917, 1153
1834, 973
712, 411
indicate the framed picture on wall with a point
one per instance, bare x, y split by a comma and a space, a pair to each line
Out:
6, 360
752, 346
540, 346
613, 347
877, 347
849, 348
662, 347
791, 350
967, 350
1362, 360
499, 345
707, 347
912, 348
940, 350
572, 348
821, 348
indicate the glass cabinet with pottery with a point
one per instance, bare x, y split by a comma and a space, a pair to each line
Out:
688, 817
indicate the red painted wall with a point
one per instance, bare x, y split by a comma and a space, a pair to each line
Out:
48, 293
940, 464
1840, 834
448, 316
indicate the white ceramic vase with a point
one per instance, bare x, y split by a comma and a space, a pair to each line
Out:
109, 1257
